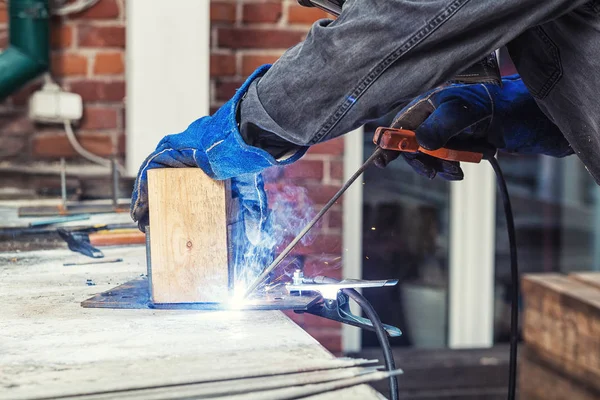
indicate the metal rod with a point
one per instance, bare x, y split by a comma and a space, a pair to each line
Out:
308, 227
63, 182
60, 220
115, 181
104, 261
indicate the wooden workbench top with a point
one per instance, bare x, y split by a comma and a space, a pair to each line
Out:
50, 346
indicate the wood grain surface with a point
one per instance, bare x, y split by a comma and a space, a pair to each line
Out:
561, 324
188, 225
539, 381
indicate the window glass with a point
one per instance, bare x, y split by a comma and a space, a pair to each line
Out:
405, 236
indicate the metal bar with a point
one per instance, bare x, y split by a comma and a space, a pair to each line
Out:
63, 182
316, 219
106, 261
74, 208
115, 182
59, 220
297, 392
345, 284
260, 388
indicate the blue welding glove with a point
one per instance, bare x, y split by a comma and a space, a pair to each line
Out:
476, 116
214, 144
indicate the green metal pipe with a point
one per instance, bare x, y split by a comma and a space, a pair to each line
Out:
28, 54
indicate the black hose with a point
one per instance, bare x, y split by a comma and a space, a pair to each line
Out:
381, 336
514, 271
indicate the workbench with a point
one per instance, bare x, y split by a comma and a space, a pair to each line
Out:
52, 347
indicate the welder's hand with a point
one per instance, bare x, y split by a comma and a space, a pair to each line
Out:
506, 118
214, 144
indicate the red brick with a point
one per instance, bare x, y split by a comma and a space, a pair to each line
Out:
253, 38
305, 169
99, 91
251, 62
21, 97
222, 65
327, 265
222, 12
98, 117
312, 321
61, 36
3, 13
330, 338
284, 195
104, 9
322, 244
321, 194
15, 122
335, 219
226, 90
336, 169
122, 144
298, 318
4, 42
57, 145
305, 15
262, 12
101, 36
13, 145
109, 63
68, 64
333, 147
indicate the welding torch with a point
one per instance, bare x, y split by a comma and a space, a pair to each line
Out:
390, 139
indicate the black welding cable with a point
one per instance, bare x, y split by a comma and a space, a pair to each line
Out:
514, 271
384, 342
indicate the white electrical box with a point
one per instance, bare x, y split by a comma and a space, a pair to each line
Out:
52, 105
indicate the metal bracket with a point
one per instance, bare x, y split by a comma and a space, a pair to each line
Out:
335, 304
135, 294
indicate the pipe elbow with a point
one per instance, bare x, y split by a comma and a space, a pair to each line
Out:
28, 54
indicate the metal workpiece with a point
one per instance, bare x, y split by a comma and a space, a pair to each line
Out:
335, 303
338, 309
136, 294
298, 277
322, 285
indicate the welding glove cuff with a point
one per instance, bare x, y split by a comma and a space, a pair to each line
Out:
214, 144
475, 116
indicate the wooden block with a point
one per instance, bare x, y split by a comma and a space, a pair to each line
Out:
540, 381
561, 324
188, 236
589, 278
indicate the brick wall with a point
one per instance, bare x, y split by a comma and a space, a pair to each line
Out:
245, 35
88, 51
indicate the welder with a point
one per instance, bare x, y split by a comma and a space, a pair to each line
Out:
379, 55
